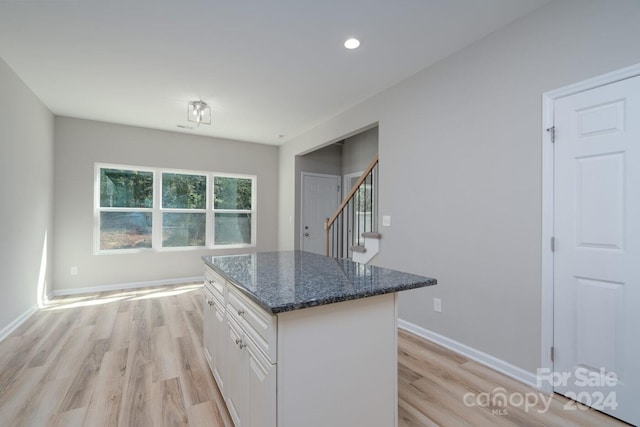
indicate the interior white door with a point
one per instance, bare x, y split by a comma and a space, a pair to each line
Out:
597, 251
320, 195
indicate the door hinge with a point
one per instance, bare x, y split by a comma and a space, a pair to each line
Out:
552, 133
553, 353
553, 244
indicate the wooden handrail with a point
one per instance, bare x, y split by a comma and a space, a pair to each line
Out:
329, 222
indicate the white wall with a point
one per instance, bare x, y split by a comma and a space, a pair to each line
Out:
26, 200
82, 143
460, 169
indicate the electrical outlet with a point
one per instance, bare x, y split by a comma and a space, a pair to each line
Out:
437, 305
386, 221
74, 271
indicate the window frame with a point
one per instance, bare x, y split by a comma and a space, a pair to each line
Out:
157, 210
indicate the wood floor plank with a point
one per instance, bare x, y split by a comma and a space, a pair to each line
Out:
18, 395
174, 413
209, 413
105, 322
121, 331
104, 407
175, 319
64, 362
165, 364
75, 417
81, 389
50, 346
194, 371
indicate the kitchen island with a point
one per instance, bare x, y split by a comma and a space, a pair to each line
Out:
298, 339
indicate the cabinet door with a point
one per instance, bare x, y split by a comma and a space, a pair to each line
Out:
261, 389
208, 329
219, 343
235, 395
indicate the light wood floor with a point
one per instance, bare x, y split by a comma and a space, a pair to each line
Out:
438, 387
136, 359
118, 359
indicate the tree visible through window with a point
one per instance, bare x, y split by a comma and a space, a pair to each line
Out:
232, 210
126, 198
184, 202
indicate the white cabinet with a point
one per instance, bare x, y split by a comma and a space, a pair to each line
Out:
234, 393
240, 345
214, 327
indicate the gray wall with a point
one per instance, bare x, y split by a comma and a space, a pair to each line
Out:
460, 169
26, 177
326, 160
358, 151
81, 143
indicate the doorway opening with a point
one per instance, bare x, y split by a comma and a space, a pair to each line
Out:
341, 159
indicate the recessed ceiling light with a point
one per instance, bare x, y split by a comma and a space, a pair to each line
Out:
352, 43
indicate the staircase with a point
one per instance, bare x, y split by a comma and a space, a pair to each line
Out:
352, 231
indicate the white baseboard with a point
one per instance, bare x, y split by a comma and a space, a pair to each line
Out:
492, 362
124, 286
6, 331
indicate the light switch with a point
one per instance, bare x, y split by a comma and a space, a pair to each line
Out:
386, 221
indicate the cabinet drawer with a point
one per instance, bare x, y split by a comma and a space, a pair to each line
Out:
259, 324
215, 282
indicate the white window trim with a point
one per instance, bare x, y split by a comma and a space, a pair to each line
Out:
157, 210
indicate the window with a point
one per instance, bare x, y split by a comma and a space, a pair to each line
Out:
126, 202
232, 206
140, 209
184, 210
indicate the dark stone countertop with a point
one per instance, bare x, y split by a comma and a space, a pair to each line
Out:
291, 280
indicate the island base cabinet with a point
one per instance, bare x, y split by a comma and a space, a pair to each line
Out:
337, 365
329, 365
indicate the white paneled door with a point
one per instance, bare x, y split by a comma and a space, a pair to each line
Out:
597, 248
320, 198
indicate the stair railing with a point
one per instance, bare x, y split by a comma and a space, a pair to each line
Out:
356, 214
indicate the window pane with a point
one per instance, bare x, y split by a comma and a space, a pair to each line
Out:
184, 191
183, 229
232, 228
126, 188
232, 193
125, 230
363, 197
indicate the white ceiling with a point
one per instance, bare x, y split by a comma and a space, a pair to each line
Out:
267, 67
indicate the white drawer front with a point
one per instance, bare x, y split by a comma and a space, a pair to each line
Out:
258, 323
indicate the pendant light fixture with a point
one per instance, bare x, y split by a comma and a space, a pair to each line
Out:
199, 112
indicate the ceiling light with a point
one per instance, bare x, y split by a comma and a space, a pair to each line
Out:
352, 43
199, 112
